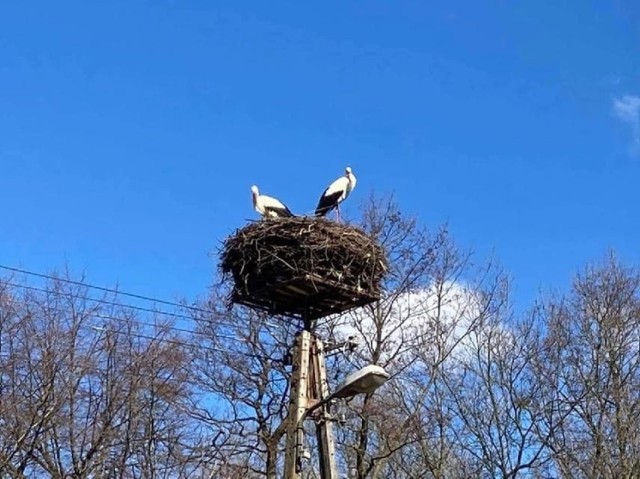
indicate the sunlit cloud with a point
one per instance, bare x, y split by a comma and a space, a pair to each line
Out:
442, 315
627, 109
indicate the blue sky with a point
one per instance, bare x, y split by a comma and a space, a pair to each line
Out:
130, 132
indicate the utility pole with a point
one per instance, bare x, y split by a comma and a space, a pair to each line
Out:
308, 387
324, 428
287, 268
298, 404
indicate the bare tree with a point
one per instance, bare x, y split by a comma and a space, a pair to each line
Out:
433, 299
92, 388
595, 351
242, 367
504, 414
88, 390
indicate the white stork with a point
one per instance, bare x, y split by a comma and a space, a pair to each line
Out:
336, 193
269, 207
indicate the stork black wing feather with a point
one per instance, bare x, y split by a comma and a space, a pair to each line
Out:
286, 212
283, 212
327, 202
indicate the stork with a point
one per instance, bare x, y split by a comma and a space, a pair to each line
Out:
269, 207
336, 193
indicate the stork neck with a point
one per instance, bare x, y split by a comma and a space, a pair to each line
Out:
351, 181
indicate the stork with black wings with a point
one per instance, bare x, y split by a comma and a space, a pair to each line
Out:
269, 207
336, 193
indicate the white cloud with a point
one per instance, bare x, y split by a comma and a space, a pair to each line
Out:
439, 318
627, 109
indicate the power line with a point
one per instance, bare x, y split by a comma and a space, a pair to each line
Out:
122, 305
108, 290
340, 320
159, 338
180, 343
175, 342
107, 302
133, 295
95, 314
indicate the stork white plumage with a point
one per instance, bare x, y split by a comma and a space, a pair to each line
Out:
269, 207
336, 193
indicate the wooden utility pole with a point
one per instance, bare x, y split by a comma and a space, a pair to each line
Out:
298, 404
309, 386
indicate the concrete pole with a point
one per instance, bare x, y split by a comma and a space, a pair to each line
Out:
324, 428
298, 404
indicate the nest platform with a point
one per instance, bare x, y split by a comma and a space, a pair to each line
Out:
302, 267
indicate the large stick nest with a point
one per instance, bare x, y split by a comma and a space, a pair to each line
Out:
302, 267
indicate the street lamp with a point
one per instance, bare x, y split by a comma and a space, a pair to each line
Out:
364, 381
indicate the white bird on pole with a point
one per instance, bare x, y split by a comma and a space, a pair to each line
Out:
269, 207
336, 193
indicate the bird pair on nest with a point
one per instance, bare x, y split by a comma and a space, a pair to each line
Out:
336, 193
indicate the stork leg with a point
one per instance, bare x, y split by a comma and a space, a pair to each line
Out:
338, 213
